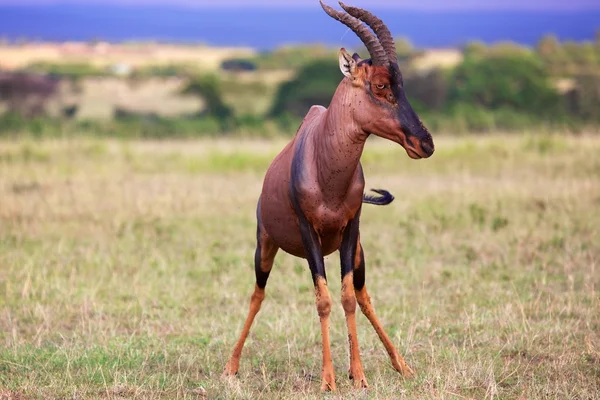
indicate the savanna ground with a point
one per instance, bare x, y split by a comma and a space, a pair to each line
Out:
126, 270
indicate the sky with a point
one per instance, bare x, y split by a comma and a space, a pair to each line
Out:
410, 4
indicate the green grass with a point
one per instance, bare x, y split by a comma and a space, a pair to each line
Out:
126, 270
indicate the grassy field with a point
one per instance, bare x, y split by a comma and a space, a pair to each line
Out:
126, 270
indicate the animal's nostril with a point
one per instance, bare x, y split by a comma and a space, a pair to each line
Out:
427, 147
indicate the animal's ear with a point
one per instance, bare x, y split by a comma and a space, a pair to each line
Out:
347, 63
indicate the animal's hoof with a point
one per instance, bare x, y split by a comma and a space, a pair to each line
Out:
407, 371
404, 369
328, 383
358, 376
230, 370
360, 383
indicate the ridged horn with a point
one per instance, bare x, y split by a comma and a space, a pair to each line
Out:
376, 51
380, 29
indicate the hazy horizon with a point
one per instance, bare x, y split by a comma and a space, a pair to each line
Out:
441, 5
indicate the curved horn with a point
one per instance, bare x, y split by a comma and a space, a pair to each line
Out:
376, 51
382, 31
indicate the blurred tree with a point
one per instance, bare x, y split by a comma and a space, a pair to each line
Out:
580, 54
208, 87
288, 57
428, 90
584, 99
404, 47
314, 84
475, 48
518, 82
553, 55
548, 46
507, 48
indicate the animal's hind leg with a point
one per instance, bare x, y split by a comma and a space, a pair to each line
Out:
367, 309
263, 262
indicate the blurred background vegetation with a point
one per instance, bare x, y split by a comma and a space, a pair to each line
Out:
474, 89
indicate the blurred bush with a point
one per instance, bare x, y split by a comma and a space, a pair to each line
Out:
514, 81
208, 87
315, 83
67, 70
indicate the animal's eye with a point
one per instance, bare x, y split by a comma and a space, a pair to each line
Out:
380, 86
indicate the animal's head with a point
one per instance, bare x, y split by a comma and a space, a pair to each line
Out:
377, 93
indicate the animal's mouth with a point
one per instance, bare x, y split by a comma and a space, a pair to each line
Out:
417, 149
413, 154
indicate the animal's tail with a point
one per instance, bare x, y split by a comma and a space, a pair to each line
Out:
383, 200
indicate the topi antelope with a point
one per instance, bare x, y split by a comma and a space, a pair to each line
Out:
313, 191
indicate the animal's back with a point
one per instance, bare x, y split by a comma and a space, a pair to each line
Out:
275, 192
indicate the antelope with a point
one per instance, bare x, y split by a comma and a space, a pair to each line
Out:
313, 191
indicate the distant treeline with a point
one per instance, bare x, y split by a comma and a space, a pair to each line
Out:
555, 85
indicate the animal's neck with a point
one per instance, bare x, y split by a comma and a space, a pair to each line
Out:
339, 144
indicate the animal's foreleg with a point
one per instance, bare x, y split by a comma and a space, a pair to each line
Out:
314, 254
323, 301
367, 309
347, 256
263, 262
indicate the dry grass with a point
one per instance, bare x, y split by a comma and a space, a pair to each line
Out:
125, 272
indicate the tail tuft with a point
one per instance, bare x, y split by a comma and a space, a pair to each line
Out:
383, 200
